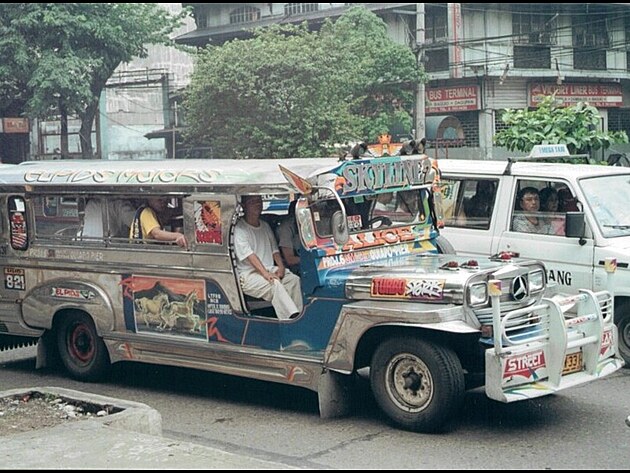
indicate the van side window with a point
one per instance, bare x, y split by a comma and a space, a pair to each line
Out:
540, 207
468, 203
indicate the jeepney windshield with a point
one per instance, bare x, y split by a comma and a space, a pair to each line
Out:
383, 210
608, 197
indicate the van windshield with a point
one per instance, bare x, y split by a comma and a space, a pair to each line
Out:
608, 198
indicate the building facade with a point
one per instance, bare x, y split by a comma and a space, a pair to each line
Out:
481, 58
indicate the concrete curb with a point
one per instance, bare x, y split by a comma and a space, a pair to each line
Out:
133, 416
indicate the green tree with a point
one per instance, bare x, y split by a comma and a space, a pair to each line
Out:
576, 126
57, 57
291, 92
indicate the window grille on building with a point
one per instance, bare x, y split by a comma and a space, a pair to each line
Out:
244, 15
297, 8
591, 39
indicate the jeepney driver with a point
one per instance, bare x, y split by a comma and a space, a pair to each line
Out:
259, 263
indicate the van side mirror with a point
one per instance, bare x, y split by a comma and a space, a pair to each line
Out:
339, 228
574, 226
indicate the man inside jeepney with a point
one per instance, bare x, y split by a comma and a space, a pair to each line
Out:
150, 221
261, 271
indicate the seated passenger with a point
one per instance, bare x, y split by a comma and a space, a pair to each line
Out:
289, 240
149, 221
549, 203
120, 213
260, 267
480, 205
529, 221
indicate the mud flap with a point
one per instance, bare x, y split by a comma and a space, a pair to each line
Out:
334, 394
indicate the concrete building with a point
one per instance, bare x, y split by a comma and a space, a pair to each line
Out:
481, 58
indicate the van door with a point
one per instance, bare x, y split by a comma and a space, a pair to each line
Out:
568, 260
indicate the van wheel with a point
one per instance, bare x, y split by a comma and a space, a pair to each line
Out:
81, 350
444, 246
622, 321
418, 384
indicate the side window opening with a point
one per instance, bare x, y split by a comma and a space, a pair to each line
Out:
541, 206
470, 202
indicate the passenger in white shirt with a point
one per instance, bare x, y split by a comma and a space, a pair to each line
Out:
259, 263
120, 215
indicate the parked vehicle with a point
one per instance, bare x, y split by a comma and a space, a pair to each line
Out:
591, 222
379, 293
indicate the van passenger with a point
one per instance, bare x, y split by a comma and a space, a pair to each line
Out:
529, 219
549, 203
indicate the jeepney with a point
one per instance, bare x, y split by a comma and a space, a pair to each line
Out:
381, 293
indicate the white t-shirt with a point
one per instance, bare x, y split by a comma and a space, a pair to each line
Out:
249, 240
121, 214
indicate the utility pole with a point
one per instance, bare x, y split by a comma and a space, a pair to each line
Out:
174, 127
420, 125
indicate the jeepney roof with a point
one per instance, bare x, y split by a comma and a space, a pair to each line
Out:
527, 169
229, 175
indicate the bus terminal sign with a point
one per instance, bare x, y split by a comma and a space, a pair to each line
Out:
597, 95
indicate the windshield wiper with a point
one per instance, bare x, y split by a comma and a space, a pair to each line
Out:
619, 227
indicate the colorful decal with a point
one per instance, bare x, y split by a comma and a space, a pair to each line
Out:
524, 366
19, 239
301, 184
71, 293
354, 223
389, 236
208, 222
15, 279
385, 173
607, 342
408, 288
166, 306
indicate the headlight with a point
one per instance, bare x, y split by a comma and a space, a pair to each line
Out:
478, 294
536, 281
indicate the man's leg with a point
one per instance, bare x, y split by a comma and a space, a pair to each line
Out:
256, 286
291, 283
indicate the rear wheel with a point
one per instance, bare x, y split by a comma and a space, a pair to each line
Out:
622, 320
418, 384
82, 351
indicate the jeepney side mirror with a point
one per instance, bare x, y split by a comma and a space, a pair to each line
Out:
339, 228
574, 226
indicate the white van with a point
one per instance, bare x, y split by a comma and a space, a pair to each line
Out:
590, 223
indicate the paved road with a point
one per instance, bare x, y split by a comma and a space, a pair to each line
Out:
583, 428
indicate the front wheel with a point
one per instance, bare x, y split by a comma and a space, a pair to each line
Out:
622, 320
418, 384
82, 351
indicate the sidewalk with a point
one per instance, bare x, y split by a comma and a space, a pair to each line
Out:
130, 439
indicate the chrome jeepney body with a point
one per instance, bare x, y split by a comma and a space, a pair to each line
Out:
379, 293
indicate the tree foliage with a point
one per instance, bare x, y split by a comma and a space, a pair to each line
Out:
57, 57
576, 126
291, 92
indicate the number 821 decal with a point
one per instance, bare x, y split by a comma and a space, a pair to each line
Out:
14, 279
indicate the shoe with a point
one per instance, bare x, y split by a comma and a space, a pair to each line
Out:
294, 316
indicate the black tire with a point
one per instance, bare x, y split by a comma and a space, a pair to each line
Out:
444, 246
81, 350
622, 321
418, 384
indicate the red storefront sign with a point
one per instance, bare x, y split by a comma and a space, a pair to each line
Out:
15, 125
597, 95
451, 99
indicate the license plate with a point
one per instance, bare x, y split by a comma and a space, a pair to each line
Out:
572, 363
